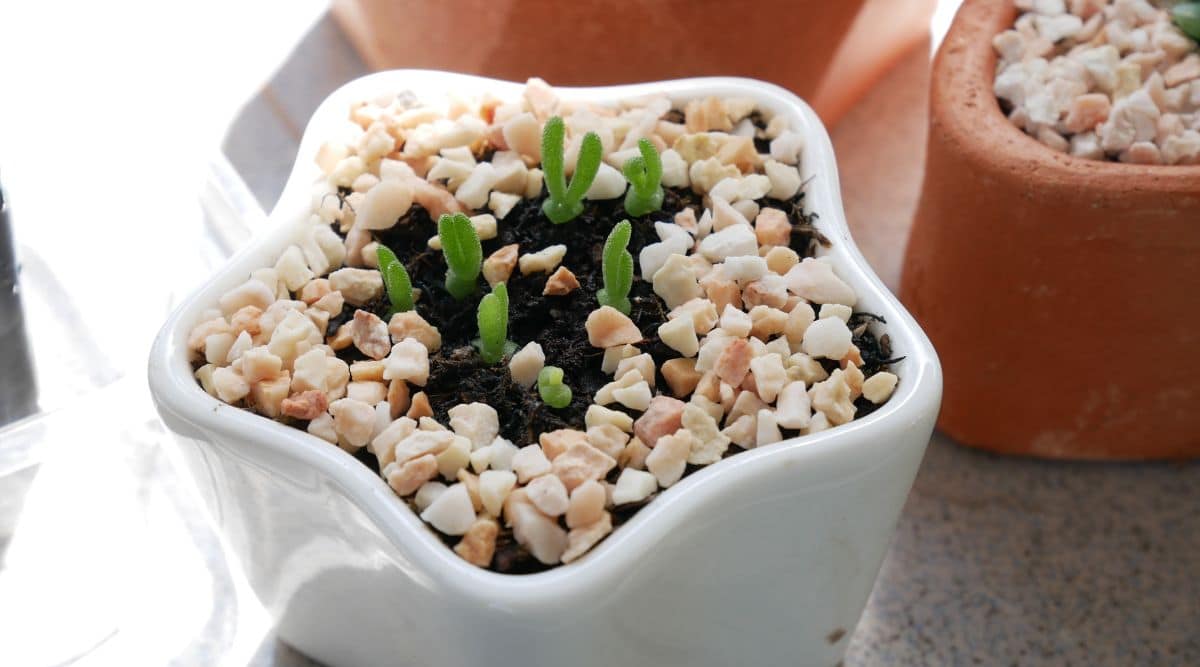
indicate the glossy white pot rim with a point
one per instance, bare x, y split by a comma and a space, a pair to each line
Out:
860, 445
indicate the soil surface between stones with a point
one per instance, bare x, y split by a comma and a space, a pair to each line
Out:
457, 373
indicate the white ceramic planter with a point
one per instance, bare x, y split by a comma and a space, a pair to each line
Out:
765, 558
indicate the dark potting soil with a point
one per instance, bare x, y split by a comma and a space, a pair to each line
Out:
459, 375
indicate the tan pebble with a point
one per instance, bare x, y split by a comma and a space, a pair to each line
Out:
407, 477
702, 313
202, 331
634, 455
767, 322
1086, 112
418, 443
314, 290
560, 283
662, 418
598, 415
370, 335
681, 376
246, 319
854, 379
542, 261
499, 265
607, 438
734, 362
709, 387
1183, 71
267, 396
879, 387
353, 420
781, 259
772, 228
794, 408
341, 339
410, 324
770, 291
370, 392
420, 406
743, 432
365, 371
398, 398
722, 292
478, 545
554, 443
668, 459
642, 363
609, 327
581, 540
471, 481
580, 463
548, 494
533, 530
530, 462
832, 398
586, 504
707, 114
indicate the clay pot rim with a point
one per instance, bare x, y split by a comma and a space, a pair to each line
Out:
988, 137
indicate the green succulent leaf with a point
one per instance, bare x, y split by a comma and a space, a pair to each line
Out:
492, 318
644, 174
463, 252
565, 202
617, 269
551, 388
395, 280
1187, 17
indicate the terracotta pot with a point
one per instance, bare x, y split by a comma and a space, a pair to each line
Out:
1060, 293
594, 42
883, 32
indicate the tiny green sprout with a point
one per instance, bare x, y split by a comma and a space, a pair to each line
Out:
565, 202
645, 179
395, 280
1187, 17
464, 254
617, 266
551, 388
492, 317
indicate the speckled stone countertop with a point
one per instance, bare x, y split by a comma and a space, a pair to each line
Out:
1015, 562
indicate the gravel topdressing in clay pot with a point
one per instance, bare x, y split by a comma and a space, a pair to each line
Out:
1059, 291
590, 42
361, 566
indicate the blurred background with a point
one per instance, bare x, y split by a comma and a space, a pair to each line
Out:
141, 143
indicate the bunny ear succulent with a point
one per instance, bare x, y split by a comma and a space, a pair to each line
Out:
617, 268
565, 202
492, 318
395, 280
551, 388
644, 174
463, 252
1187, 17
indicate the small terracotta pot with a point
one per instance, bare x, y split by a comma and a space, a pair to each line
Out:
595, 42
883, 32
1060, 293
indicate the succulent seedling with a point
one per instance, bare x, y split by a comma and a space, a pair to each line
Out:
1187, 17
565, 202
551, 388
644, 174
492, 317
464, 254
617, 268
395, 280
